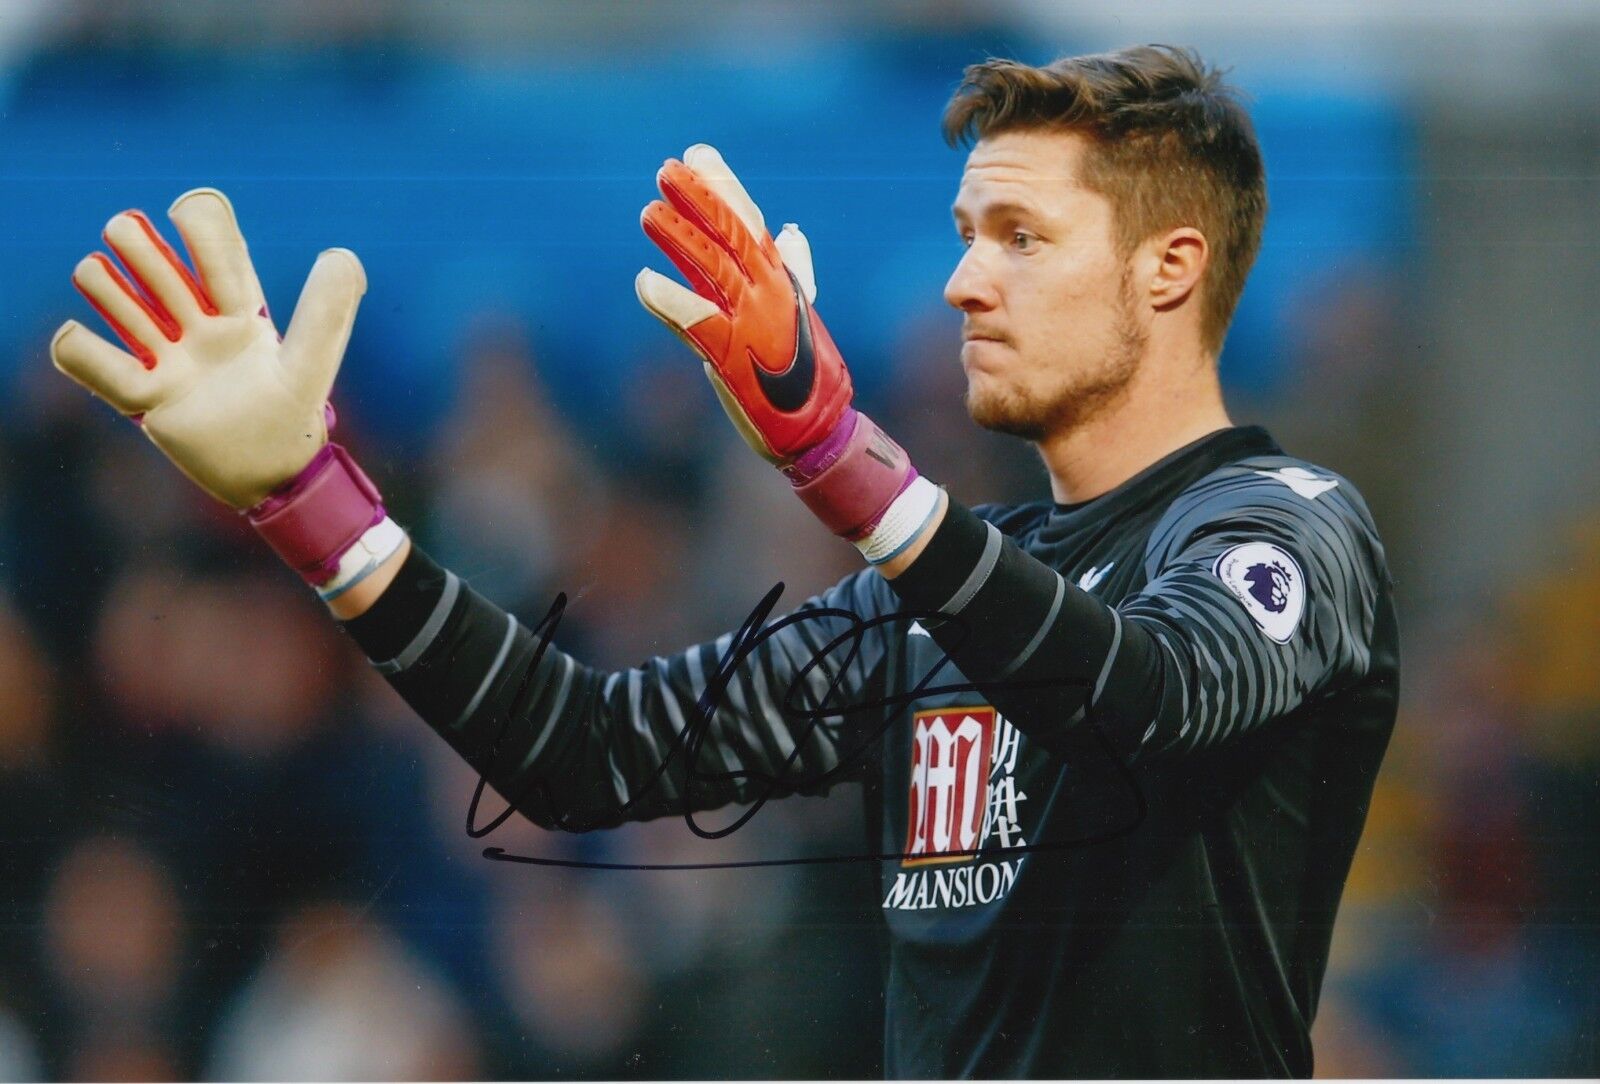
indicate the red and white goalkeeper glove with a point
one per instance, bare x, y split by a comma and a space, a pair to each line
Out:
770, 360
241, 412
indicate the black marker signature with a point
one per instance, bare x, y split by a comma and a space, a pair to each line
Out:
751, 634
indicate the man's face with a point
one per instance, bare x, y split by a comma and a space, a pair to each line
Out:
1052, 332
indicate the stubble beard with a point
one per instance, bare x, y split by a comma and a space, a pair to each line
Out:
1074, 403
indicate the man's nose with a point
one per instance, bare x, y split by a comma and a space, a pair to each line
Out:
970, 287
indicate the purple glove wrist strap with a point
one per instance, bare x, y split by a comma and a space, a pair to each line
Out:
825, 453
852, 476
312, 519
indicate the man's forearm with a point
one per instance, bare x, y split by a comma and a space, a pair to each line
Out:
567, 743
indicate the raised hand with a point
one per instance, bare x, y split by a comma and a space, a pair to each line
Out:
236, 409
749, 315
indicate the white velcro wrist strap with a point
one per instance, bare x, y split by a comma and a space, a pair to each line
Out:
376, 545
902, 523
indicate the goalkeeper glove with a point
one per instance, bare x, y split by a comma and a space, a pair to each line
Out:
240, 411
769, 358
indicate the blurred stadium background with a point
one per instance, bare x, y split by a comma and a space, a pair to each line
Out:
227, 850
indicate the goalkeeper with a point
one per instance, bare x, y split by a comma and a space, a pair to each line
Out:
1119, 822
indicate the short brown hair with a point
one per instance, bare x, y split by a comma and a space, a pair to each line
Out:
1171, 145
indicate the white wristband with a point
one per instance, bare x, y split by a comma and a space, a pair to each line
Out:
376, 545
901, 524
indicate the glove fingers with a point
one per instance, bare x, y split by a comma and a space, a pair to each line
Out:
693, 318
704, 262
210, 232
689, 195
707, 163
156, 268
137, 323
114, 375
796, 252
320, 328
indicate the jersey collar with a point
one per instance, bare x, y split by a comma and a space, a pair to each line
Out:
1172, 473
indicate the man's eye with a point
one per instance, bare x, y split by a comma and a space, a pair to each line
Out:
1022, 240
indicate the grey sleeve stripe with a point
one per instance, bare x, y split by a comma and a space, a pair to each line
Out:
1111, 656
1183, 686
568, 668
488, 679
429, 631
1044, 627
979, 575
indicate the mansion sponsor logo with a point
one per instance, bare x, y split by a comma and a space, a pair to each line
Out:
962, 887
963, 793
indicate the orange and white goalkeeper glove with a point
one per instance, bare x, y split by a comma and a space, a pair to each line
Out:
241, 412
769, 358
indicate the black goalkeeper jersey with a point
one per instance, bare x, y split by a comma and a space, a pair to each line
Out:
1117, 765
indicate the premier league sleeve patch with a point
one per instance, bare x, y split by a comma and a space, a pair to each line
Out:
1269, 583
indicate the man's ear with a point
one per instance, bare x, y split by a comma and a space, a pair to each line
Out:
1182, 256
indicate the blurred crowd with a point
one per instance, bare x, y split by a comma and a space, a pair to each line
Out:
1470, 936
230, 851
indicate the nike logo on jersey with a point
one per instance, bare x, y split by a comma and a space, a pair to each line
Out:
1302, 481
1091, 579
789, 390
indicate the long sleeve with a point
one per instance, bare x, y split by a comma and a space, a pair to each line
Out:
574, 747
1259, 598
1256, 598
